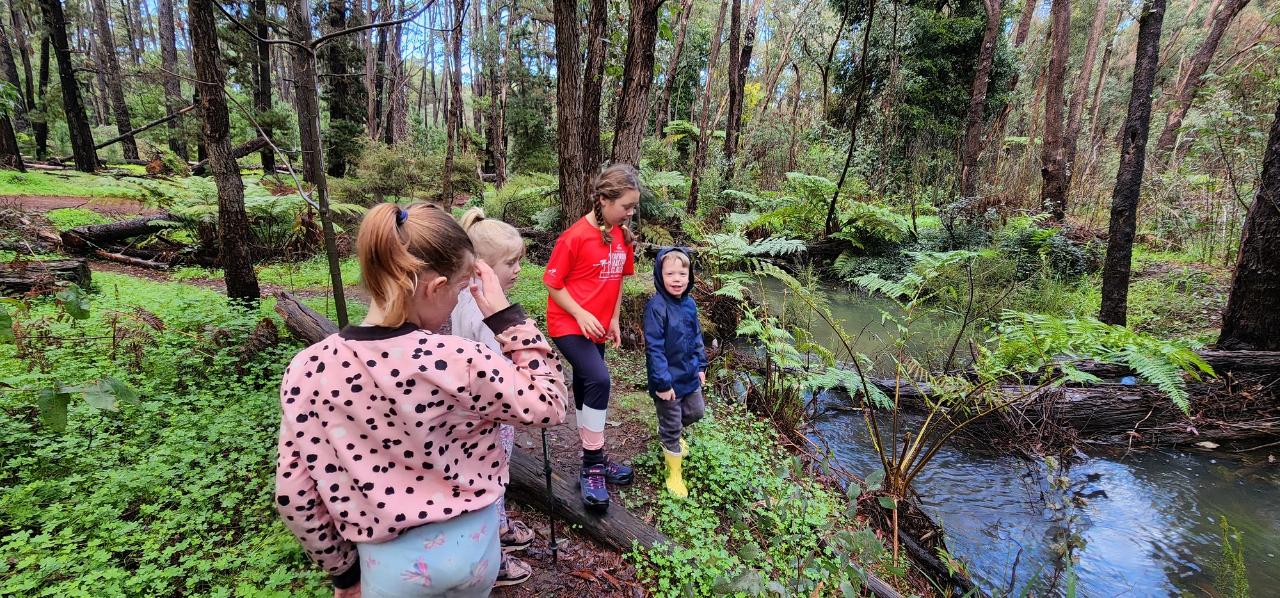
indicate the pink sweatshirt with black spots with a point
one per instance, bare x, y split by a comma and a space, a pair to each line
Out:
385, 429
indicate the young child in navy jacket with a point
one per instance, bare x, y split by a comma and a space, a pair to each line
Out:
677, 360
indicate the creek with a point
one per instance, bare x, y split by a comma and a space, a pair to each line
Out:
1148, 519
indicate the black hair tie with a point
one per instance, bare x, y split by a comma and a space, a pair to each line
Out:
401, 215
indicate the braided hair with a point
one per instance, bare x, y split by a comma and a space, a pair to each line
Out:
609, 185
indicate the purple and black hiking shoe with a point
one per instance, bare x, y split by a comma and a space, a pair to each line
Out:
595, 495
618, 474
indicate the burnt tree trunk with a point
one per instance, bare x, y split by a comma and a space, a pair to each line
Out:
41, 125
1081, 89
573, 187
234, 232
592, 79
10, 153
262, 80
673, 70
77, 122
1252, 317
637, 79
1191, 79
115, 81
1053, 160
173, 99
19, 116
735, 71
971, 149
1133, 149
21, 32
704, 116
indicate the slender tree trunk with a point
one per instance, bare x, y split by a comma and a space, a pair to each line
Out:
173, 99
775, 73
262, 82
858, 106
376, 122
234, 232
498, 96
115, 82
308, 101
455, 80
19, 116
1081, 89
1095, 103
453, 116
1053, 169
41, 126
971, 149
1002, 120
1252, 317
77, 123
478, 74
673, 70
704, 118
592, 79
1133, 149
1191, 79
733, 129
345, 94
131, 23
824, 70
573, 192
637, 79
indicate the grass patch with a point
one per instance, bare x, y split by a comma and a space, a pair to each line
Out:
68, 183
68, 218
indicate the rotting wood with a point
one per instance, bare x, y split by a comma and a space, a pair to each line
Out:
86, 238
20, 277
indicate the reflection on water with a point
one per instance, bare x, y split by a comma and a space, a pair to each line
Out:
1151, 528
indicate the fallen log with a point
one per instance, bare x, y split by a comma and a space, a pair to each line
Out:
20, 278
87, 238
130, 261
1124, 412
257, 144
1253, 362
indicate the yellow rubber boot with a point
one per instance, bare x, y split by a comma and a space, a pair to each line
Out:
675, 484
684, 447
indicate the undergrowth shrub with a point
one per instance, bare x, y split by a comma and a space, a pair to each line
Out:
168, 496
755, 522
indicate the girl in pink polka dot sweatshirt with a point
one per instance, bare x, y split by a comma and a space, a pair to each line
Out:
388, 428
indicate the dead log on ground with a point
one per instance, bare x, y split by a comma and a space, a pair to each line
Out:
1253, 362
20, 278
257, 144
130, 261
87, 238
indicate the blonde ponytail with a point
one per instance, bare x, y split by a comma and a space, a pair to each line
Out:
395, 244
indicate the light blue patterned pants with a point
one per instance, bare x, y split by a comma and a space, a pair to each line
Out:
458, 557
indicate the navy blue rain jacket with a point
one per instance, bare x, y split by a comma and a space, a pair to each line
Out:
673, 336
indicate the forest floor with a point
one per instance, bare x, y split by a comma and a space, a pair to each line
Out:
582, 567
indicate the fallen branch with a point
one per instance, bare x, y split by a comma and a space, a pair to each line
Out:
130, 261
87, 238
257, 144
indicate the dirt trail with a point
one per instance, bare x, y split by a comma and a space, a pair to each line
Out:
107, 206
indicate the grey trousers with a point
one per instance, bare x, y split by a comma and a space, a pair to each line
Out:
674, 416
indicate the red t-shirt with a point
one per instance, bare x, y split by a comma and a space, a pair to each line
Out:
591, 271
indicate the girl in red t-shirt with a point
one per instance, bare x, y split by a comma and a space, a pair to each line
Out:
584, 279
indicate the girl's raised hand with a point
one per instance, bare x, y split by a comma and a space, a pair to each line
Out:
487, 290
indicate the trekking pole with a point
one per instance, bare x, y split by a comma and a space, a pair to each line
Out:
551, 497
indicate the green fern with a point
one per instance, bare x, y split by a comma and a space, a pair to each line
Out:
1031, 342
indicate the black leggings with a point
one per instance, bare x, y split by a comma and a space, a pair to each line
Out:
590, 386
